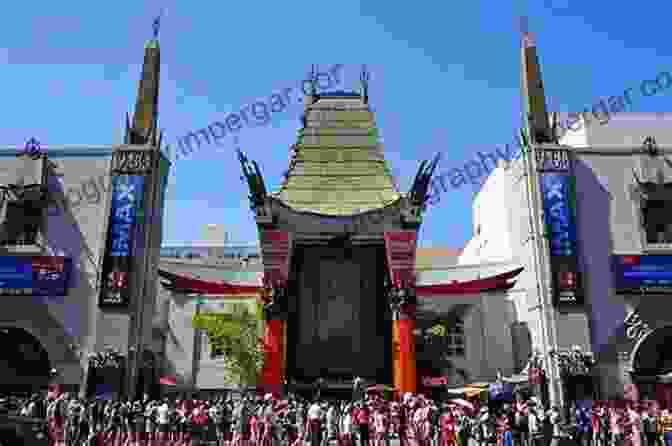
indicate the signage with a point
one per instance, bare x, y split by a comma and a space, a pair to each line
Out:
34, 276
635, 328
557, 193
558, 214
642, 274
276, 252
400, 249
566, 284
535, 375
435, 381
132, 161
126, 205
553, 160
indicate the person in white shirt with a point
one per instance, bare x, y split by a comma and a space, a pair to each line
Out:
216, 413
163, 420
346, 427
315, 424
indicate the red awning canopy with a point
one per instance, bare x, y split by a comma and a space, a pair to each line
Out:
185, 284
494, 283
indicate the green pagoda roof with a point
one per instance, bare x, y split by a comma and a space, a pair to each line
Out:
338, 166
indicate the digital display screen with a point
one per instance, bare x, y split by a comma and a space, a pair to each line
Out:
34, 276
642, 273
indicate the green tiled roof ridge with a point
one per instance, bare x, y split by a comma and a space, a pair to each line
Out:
338, 170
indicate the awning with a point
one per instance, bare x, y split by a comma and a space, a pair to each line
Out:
469, 392
517, 379
499, 282
380, 388
168, 381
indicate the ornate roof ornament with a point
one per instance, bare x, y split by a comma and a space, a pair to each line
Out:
255, 180
418, 193
364, 79
312, 77
156, 25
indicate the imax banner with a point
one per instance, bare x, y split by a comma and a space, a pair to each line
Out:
126, 206
559, 211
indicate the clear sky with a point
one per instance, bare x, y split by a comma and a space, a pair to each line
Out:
444, 78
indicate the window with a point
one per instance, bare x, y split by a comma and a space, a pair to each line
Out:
657, 216
455, 339
24, 207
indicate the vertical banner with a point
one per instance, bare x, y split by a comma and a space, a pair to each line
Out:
126, 206
276, 250
557, 191
400, 250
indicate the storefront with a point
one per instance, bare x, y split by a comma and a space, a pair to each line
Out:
645, 338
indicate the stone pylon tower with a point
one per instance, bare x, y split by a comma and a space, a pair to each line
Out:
139, 173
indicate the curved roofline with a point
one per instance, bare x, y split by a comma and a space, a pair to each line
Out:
183, 283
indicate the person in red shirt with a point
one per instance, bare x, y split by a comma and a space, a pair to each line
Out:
362, 418
447, 427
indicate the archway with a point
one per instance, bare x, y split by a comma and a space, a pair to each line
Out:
24, 362
652, 361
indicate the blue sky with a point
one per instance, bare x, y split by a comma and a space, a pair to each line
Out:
444, 77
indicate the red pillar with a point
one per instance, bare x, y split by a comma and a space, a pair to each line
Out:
272, 371
405, 369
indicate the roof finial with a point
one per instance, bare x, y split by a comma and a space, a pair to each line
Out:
528, 40
364, 78
313, 79
156, 25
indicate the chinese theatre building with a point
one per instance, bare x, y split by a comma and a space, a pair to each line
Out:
591, 225
338, 250
80, 231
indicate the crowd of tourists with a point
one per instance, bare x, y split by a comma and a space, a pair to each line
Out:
370, 421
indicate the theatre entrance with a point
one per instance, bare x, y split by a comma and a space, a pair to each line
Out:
24, 363
653, 367
339, 321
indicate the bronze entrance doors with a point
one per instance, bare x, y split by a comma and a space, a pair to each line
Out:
339, 324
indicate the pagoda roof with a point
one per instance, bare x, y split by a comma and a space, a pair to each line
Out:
337, 166
186, 284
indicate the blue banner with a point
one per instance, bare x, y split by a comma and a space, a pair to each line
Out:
127, 197
558, 214
34, 276
126, 211
647, 273
558, 197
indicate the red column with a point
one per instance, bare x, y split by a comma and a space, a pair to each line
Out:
406, 373
271, 376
